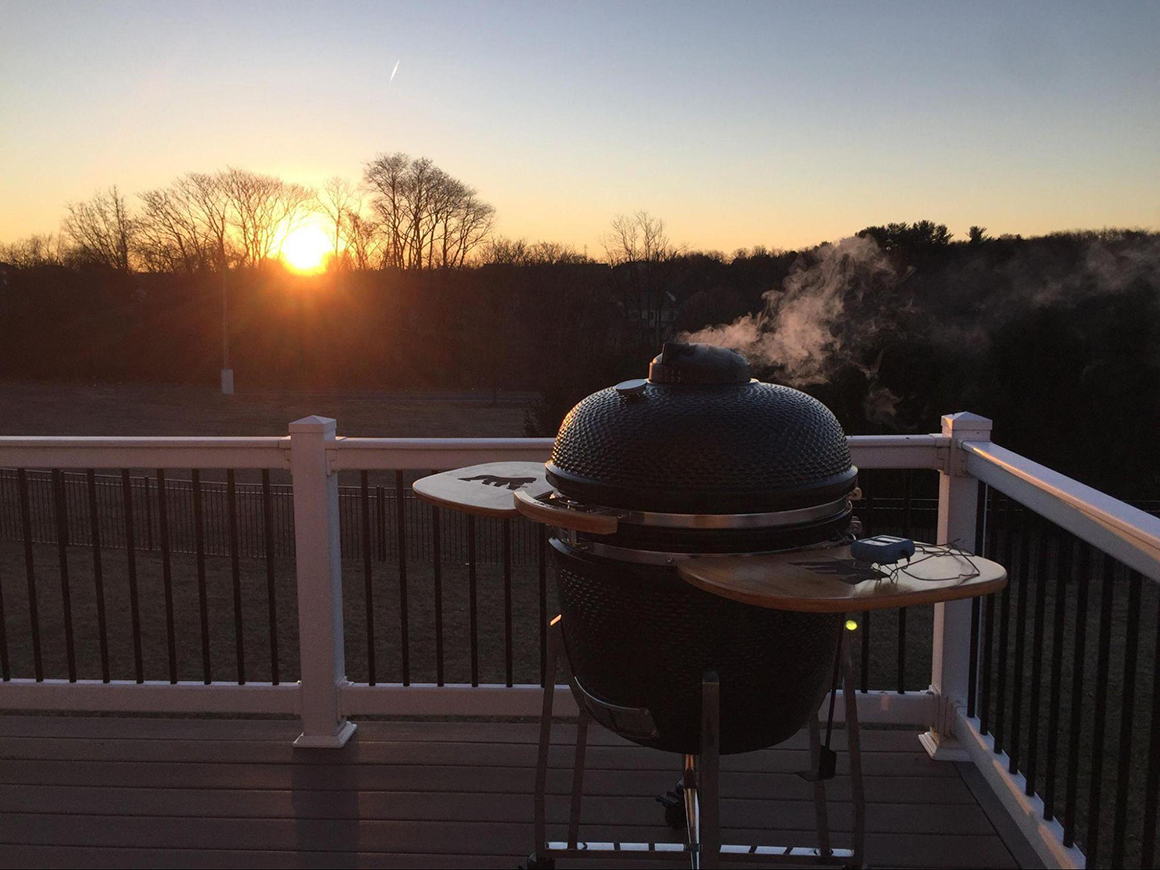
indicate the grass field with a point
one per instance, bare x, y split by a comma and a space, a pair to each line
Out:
162, 409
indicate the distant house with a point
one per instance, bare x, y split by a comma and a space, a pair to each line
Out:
646, 316
6, 270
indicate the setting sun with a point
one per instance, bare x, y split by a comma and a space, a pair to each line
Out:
306, 249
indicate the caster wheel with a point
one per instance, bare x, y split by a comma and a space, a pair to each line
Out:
535, 862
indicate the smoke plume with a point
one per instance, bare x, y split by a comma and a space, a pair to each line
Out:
815, 321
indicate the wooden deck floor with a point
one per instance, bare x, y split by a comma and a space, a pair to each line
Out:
100, 792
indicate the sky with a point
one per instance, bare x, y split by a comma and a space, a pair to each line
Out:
738, 123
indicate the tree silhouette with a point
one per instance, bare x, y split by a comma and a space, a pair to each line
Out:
341, 202
100, 231
639, 250
430, 220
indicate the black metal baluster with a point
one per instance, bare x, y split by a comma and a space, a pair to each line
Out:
473, 607
867, 528
148, 514
131, 559
30, 572
1034, 723
542, 571
98, 574
404, 614
988, 623
1083, 577
381, 499
1103, 656
508, 641
1020, 634
1063, 572
268, 536
60, 512
235, 573
1152, 782
977, 548
202, 595
368, 581
166, 572
1004, 544
1127, 712
5, 669
437, 563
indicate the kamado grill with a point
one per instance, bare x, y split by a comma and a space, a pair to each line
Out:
698, 459
701, 540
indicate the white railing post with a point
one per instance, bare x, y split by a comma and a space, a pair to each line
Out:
319, 571
958, 495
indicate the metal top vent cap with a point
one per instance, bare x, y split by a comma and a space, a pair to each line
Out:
680, 364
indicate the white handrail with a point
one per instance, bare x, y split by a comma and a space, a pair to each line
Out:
899, 451
370, 454
55, 451
1126, 533
386, 454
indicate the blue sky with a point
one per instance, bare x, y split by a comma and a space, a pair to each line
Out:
739, 123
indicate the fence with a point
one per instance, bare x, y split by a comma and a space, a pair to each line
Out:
144, 503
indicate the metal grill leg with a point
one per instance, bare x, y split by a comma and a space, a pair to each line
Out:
692, 810
820, 808
541, 827
854, 741
709, 793
577, 779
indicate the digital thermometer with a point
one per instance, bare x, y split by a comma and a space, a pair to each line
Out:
882, 549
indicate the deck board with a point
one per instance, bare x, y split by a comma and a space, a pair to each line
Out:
206, 793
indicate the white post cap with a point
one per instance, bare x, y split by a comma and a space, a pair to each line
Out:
313, 425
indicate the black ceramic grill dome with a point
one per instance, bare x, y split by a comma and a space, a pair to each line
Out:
721, 444
699, 437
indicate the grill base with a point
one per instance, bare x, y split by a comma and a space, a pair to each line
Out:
638, 636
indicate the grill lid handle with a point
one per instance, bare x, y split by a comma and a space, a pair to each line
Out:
553, 511
680, 364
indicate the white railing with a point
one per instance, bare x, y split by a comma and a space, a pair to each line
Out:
323, 698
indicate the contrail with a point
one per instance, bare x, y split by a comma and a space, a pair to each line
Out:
395, 70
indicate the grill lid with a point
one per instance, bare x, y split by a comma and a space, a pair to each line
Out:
700, 436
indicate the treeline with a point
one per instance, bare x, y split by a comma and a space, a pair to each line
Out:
1057, 338
405, 213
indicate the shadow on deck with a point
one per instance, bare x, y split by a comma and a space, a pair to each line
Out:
99, 792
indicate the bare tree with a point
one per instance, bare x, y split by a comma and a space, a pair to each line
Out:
175, 232
639, 250
364, 240
36, 250
470, 224
429, 219
101, 231
264, 210
208, 202
340, 200
518, 252
387, 175
506, 252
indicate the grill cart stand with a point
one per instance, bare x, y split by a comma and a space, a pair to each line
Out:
698, 788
